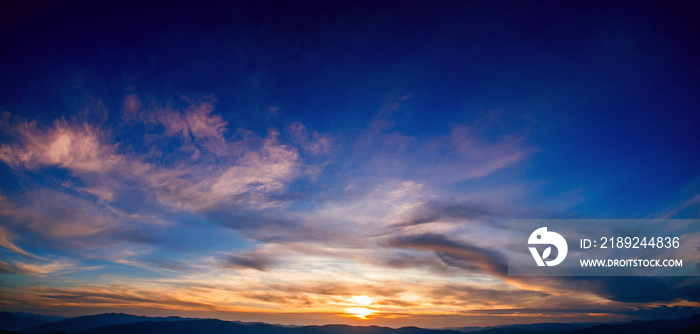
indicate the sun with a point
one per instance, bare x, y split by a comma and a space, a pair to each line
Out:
360, 312
361, 300
359, 306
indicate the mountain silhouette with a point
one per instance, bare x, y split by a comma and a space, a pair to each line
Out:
213, 326
119, 323
529, 328
13, 321
82, 323
694, 329
44, 318
659, 326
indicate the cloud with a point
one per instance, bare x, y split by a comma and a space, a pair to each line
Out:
410, 259
182, 295
252, 177
270, 224
131, 107
246, 169
432, 211
473, 259
689, 208
6, 267
264, 170
309, 140
484, 297
40, 270
72, 145
56, 214
5, 242
484, 152
36, 269
469, 151
656, 289
116, 296
454, 253
59, 222
198, 128
249, 260
103, 193
118, 195
218, 169
205, 128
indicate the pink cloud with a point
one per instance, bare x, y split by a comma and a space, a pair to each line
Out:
256, 173
309, 140
75, 146
5, 241
58, 215
40, 270
197, 126
674, 210
132, 105
246, 167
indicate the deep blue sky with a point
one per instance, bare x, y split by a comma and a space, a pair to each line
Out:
246, 160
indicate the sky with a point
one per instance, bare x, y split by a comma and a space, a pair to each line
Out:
338, 162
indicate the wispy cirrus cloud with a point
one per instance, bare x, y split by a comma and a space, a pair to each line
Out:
41, 270
469, 151
116, 295
487, 155
249, 178
198, 128
39, 267
450, 210
72, 145
5, 241
309, 140
255, 259
457, 254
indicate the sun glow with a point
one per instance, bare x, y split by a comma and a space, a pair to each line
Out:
359, 306
361, 300
360, 312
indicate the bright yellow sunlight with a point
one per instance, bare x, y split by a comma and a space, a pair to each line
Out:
361, 300
358, 310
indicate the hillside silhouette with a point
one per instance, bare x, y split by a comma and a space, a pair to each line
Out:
119, 323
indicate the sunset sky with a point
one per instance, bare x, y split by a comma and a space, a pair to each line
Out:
338, 162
